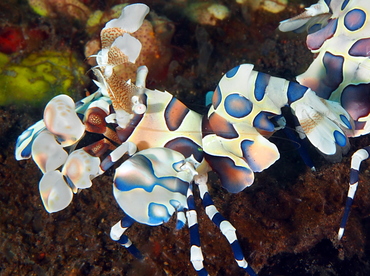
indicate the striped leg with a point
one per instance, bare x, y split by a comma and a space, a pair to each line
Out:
196, 255
225, 226
117, 234
357, 158
126, 147
181, 219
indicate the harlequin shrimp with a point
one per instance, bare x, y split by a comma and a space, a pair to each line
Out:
153, 183
169, 148
339, 35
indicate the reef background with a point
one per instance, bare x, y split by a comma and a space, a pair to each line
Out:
287, 221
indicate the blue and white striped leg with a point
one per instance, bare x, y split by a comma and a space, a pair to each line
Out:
225, 226
356, 160
196, 255
117, 234
126, 147
181, 219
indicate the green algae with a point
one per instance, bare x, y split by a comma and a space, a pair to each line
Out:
40, 76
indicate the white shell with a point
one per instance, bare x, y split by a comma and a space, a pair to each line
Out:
55, 193
47, 153
61, 119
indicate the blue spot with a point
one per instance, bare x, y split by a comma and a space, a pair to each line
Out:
345, 121
154, 217
355, 19
232, 72
176, 204
344, 4
237, 105
262, 81
262, 122
245, 146
27, 151
295, 91
340, 139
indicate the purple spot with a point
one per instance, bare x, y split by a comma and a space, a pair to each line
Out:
221, 127
175, 114
217, 97
315, 40
361, 48
262, 122
233, 178
356, 100
186, 147
245, 147
333, 77
354, 19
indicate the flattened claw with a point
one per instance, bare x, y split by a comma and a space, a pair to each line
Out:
55, 193
80, 168
315, 14
47, 153
157, 176
24, 142
235, 160
326, 124
61, 120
